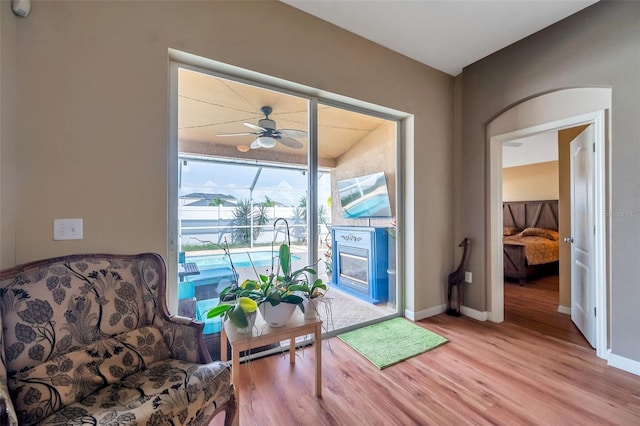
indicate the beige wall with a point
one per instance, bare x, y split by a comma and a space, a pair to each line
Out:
7, 136
537, 181
91, 127
584, 50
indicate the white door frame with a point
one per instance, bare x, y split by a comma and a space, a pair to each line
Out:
552, 111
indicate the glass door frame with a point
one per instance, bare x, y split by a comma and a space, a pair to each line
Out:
315, 97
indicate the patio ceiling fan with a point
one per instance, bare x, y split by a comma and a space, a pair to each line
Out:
267, 136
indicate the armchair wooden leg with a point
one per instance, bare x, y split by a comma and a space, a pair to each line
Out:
231, 415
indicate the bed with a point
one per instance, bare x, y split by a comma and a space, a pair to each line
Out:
530, 239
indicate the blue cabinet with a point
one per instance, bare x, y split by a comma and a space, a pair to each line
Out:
360, 259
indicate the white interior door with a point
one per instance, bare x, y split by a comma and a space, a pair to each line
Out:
583, 312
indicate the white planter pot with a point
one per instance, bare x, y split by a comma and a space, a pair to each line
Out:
311, 308
278, 315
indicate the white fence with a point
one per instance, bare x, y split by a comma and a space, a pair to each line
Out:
215, 223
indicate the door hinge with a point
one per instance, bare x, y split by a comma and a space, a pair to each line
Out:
594, 147
595, 313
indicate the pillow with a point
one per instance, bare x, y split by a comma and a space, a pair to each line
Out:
549, 234
509, 230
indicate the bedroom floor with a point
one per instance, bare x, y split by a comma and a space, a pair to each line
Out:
535, 306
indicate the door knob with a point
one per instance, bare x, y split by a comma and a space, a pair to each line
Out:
568, 240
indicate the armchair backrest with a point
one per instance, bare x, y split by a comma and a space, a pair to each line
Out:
56, 306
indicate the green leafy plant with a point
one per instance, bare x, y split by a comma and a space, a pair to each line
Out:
317, 289
280, 286
275, 287
235, 312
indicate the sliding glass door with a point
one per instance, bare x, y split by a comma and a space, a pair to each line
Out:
246, 155
356, 205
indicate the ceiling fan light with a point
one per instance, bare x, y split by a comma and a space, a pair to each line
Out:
266, 142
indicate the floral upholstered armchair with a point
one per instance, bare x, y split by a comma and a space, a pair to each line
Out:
87, 339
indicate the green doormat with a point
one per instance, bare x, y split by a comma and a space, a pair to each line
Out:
392, 341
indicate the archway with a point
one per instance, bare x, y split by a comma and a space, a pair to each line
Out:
551, 111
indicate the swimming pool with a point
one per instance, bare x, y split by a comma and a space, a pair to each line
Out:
240, 260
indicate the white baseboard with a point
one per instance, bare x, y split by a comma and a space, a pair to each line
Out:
426, 313
564, 310
472, 313
623, 363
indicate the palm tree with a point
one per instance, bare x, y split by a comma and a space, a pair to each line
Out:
270, 203
322, 210
303, 207
260, 218
322, 215
242, 222
217, 202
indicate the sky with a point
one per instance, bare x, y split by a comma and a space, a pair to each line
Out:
280, 185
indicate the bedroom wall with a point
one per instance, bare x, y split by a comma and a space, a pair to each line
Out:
91, 126
532, 182
584, 50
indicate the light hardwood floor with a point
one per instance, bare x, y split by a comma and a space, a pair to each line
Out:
514, 373
535, 306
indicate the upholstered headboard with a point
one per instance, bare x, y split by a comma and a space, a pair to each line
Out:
530, 214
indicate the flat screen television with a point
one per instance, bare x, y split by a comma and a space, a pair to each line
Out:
364, 197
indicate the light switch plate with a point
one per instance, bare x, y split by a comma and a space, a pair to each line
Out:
67, 229
468, 277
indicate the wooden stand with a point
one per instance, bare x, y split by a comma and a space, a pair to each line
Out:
297, 326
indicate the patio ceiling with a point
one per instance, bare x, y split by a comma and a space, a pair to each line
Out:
209, 106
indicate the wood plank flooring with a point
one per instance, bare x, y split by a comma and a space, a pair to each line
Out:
498, 374
535, 306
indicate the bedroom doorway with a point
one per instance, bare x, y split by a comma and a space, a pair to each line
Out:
552, 111
537, 197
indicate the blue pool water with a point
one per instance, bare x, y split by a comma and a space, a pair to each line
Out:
240, 260
372, 206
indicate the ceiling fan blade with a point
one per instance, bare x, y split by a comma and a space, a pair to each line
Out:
254, 144
293, 133
290, 142
238, 134
255, 127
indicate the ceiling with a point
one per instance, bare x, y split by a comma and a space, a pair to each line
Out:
539, 148
210, 106
446, 35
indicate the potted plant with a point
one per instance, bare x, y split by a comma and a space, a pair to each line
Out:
312, 293
283, 285
278, 301
274, 294
238, 304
